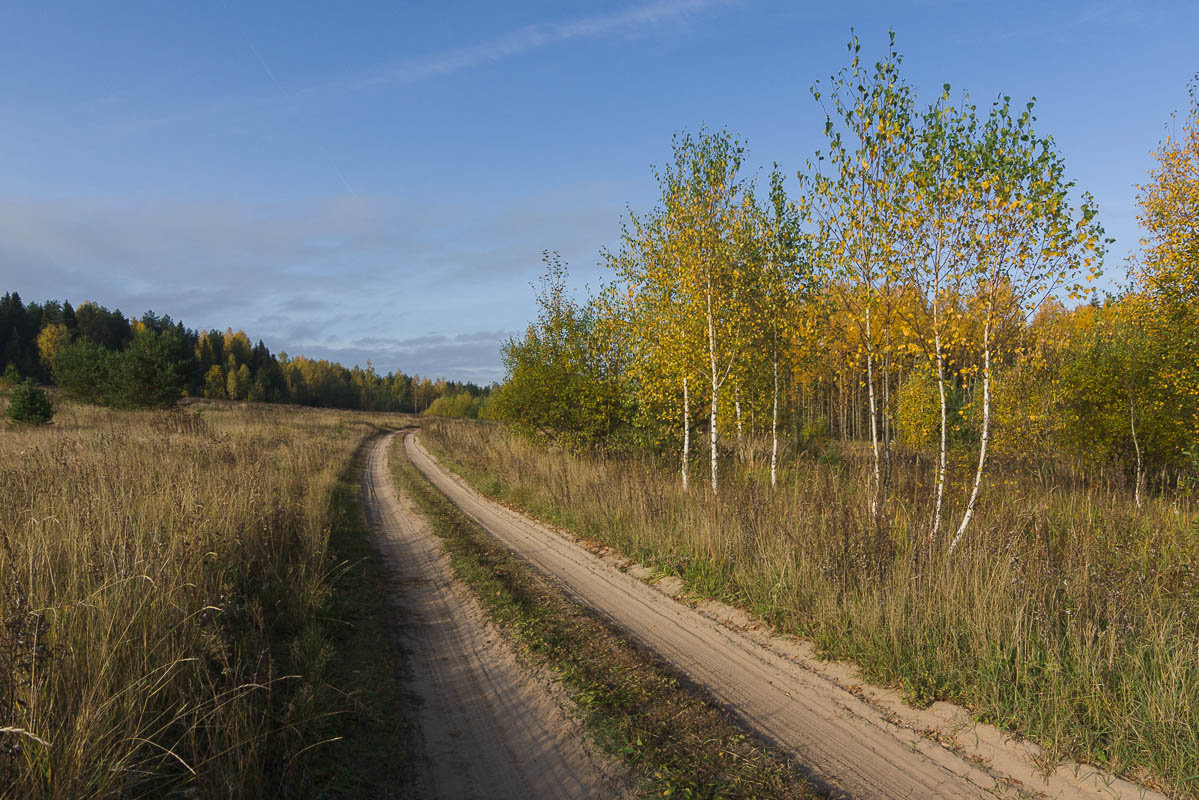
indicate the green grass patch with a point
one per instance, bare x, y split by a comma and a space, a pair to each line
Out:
367, 741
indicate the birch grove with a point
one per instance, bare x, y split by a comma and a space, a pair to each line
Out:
901, 301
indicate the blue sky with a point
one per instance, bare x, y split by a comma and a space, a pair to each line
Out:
377, 180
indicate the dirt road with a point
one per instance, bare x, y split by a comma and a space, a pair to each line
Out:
856, 740
486, 726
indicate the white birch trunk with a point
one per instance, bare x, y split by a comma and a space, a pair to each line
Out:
886, 418
1132, 421
986, 436
877, 479
715, 387
774, 426
686, 431
942, 451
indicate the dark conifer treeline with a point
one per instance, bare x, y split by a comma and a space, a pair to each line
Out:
97, 355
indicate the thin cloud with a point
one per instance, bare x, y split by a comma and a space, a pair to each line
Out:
1112, 14
530, 38
238, 105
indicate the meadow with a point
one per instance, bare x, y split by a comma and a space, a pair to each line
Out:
167, 596
1068, 615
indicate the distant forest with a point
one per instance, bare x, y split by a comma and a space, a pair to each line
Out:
97, 355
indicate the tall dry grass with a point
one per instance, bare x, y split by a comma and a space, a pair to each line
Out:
161, 580
1068, 616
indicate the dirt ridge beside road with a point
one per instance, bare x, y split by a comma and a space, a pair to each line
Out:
856, 740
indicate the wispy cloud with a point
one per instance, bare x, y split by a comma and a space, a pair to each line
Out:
533, 37
1113, 13
632, 21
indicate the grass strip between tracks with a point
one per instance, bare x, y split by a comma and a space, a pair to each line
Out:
368, 753
676, 742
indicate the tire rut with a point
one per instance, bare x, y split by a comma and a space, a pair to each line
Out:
486, 726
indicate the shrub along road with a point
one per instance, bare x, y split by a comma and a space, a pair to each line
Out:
855, 740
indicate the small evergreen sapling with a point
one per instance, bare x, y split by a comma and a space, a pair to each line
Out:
29, 405
11, 376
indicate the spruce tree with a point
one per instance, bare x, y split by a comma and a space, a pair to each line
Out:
28, 405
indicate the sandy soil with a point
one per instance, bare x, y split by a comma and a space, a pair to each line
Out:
854, 739
486, 725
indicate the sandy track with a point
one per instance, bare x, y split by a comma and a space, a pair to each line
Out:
862, 743
486, 727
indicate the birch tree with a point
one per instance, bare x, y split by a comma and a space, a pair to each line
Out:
859, 211
691, 261
1031, 243
941, 224
1169, 267
783, 276
707, 210
1169, 214
1107, 385
661, 332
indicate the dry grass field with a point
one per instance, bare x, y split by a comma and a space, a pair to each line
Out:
164, 583
1068, 616
167, 585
